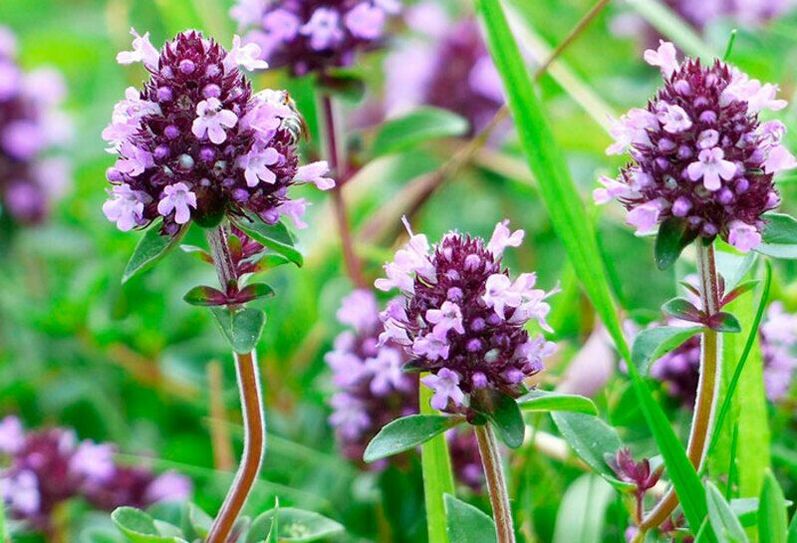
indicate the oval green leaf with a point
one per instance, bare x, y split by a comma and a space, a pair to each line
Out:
274, 236
466, 523
772, 520
504, 414
540, 400
139, 527
406, 433
653, 343
293, 524
241, 326
149, 250
726, 525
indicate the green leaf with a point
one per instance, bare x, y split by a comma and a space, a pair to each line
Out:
592, 440
255, 291
241, 326
566, 211
582, 511
417, 127
724, 322
503, 413
407, 433
438, 477
653, 343
673, 237
683, 309
138, 527
274, 236
772, 518
726, 526
468, 524
205, 296
792, 538
540, 400
295, 525
198, 521
149, 250
779, 236
3, 527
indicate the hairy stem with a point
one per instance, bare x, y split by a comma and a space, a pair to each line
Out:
335, 153
251, 402
496, 483
710, 365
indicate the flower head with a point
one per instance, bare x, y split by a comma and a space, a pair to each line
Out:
196, 143
445, 65
700, 153
310, 35
31, 125
463, 318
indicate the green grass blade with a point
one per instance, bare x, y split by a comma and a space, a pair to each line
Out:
567, 214
673, 27
438, 479
772, 520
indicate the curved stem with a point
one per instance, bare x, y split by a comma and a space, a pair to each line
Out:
251, 403
335, 153
710, 365
254, 447
496, 483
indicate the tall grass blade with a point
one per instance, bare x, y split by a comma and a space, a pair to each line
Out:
438, 479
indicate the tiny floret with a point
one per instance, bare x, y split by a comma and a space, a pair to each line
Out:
699, 152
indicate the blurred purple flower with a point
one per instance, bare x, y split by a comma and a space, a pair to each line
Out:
313, 35
446, 65
700, 153
30, 126
42, 469
463, 318
371, 389
196, 143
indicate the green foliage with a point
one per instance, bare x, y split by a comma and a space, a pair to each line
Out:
276, 237
653, 343
467, 524
139, 527
503, 414
582, 513
540, 400
291, 524
407, 433
726, 526
673, 237
780, 236
152, 247
241, 326
772, 520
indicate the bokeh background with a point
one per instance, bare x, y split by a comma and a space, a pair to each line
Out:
136, 366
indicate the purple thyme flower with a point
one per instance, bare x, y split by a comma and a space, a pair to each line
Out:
679, 369
445, 65
197, 143
462, 318
700, 152
746, 12
42, 469
30, 126
371, 388
309, 35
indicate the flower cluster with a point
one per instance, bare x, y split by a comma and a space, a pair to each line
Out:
196, 143
372, 390
700, 152
48, 467
463, 318
30, 126
680, 369
309, 35
447, 65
